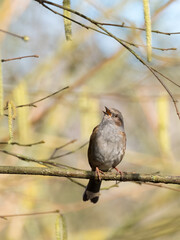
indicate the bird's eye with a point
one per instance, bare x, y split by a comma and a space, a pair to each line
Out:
115, 115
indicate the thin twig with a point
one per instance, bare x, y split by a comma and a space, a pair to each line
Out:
165, 77
151, 184
100, 23
102, 32
50, 95
68, 153
81, 24
21, 144
117, 185
76, 182
44, 162
37, 101
137, 28
161, 49
19, 58
150, 68
25, 38
94, 29
162, 186
58, 148
121, 42
28, 214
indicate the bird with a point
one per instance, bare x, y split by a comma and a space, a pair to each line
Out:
106, 149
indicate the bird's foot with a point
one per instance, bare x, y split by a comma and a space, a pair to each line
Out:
99, 172
118, 171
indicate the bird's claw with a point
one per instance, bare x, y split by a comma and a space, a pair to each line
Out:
99, 172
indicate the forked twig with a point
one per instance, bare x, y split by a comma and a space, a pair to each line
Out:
137, 28
32, 104
117, 39
64, 145
68, 153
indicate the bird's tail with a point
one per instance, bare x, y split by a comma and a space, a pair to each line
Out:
92, 191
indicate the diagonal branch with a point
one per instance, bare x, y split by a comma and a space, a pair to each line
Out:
109, 176
37, 101
68, 153
62, 146
96, 30
32, 104
97, 24
25, 38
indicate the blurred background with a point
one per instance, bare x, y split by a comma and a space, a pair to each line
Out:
100, 72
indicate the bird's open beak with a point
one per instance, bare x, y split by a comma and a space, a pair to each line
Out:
107, 112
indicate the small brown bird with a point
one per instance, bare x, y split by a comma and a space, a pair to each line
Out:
106, 149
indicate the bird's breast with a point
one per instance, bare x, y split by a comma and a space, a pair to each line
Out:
107, 148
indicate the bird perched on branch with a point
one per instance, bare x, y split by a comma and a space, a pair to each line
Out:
106, 149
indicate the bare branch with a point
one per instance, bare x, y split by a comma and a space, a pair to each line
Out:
137, 28
25, 38
77, 183
19, 58
68, 153
23, 145
165, 77
43, 2
50, 95
150, 68
156, 178
44, 162
32, 104
27, 214
64, 145
162, 186
71, 173
94, 29
117, 185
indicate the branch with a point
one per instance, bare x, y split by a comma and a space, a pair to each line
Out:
109, 176
25, 38
18, 58
117, 185
153, 71
162, 186
21, 144
137, 28
52, 164
62, 146
94, 29
44, 162
97, 24
32, 104
28, 214
68, 153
